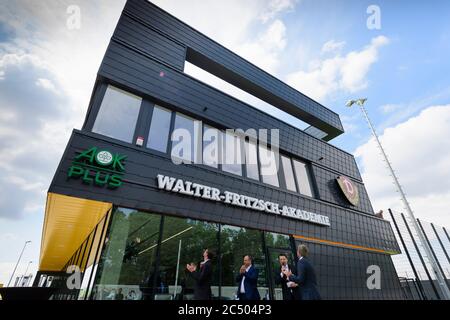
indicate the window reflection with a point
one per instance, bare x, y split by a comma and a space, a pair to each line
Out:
118, 114
211, 138
278, 244
128, 262
269, 168
301, 173
232, 151
193, 142
183, 242
159, 129
186, 139
129, 256
251, 160
288, 173
237, 242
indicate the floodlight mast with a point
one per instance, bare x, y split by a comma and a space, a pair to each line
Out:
434, 264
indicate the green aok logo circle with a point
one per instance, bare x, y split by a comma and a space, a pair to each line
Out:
104, 158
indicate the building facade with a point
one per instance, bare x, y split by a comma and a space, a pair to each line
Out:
124, 212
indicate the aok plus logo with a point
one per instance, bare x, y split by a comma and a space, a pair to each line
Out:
349, 189
98, 167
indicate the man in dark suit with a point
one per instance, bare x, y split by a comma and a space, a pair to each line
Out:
202, 277
306, 276
247, 280
289, 288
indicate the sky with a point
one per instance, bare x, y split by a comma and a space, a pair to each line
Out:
395, 53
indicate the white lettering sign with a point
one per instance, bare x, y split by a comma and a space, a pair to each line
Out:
201, 191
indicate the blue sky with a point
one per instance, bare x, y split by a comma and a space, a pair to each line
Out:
322, 48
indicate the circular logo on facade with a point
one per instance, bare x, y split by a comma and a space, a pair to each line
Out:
349, 189
104, 158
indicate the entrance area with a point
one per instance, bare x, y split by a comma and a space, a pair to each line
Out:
145, 257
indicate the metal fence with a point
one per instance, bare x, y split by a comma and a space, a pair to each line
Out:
416, 275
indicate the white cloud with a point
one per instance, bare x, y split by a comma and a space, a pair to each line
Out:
341, 73
350, 123
275, 36
72, 56
332, 46
31, 152
47, 74
275, 7
46, 84
228, 22
19, 59
9, 236
403, 111
390, 107
250, 28
265, 50
419, 150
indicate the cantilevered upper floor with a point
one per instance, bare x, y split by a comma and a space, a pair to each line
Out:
148, 30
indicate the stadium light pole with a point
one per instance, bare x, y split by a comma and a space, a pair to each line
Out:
14, 271
434, 265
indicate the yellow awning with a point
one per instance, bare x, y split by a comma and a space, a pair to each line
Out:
68, 222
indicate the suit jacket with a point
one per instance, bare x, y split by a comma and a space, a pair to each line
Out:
250, 283
306, 280
203, 280
288, 293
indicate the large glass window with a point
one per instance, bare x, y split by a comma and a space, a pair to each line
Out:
211, 146
235, 243
269, 167
129, 267
288, 173
277, 240
127, 263
277, 244
183, 242
118, 114
159, 129
186, 139
232, 153
301, 172
251, 160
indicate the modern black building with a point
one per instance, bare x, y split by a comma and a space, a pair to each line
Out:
130, 217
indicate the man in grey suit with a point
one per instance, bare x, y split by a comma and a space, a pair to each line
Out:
306, 276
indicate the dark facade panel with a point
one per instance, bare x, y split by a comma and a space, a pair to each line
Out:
140, 191
151, 42
329, 190
210, 55
342, 273
126, 67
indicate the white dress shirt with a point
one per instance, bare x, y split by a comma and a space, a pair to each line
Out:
243, 278
286, 267
203, 262
290, 283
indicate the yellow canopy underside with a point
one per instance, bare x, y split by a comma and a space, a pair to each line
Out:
68, 222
